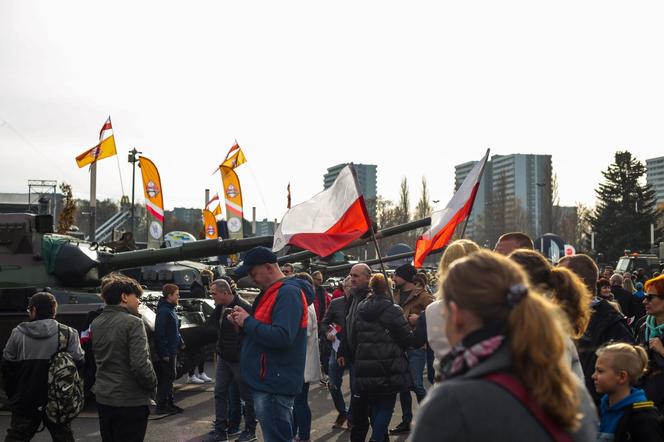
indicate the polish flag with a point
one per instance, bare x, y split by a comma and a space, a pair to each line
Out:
443, 222
328, 221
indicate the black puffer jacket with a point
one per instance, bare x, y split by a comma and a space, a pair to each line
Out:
606, 324
653, 381
348, 338
382, 336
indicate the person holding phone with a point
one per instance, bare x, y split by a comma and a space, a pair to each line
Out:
228, 364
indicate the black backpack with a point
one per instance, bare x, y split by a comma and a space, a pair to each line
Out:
645, 412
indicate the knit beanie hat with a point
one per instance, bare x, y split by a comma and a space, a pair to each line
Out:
406, 271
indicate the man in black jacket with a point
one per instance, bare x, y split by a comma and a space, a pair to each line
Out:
332, 325
360, 275
228, 363
25, 362
624, 297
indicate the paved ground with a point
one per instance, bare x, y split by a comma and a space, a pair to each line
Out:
194, 423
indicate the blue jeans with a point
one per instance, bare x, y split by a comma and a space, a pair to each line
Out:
431, 371
275, 414
416, 363
234, 406
374, 408
336, 381
382, 407
228, 374
302, 414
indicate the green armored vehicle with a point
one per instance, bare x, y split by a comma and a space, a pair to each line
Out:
33, 258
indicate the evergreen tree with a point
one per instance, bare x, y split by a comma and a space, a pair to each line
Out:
625, 209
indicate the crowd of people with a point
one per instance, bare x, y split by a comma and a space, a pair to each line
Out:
514, 347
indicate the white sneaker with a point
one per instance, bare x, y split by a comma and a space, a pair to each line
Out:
193, 379
204, 377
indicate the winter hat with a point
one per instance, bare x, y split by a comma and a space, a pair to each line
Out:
406, 271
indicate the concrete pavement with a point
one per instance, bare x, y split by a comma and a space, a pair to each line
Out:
195, 422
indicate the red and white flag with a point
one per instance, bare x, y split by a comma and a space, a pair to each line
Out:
443, 222
328, 221
214, 198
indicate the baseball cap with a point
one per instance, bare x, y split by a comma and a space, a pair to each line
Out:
255, 257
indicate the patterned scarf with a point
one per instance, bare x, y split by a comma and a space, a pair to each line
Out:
472, 350
653, 330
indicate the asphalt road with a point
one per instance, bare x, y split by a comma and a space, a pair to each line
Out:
195, 422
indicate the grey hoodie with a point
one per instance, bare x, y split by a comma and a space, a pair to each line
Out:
25, 362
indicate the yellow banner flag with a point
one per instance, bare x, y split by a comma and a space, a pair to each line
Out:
210, 225
234, 158
233, 200
154, 201
217, 210
105, 148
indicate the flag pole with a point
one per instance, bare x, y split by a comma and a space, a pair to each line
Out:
380, 260
373, 237
465, 224
93, 200
117, 159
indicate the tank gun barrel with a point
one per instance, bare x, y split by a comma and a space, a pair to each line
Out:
383, 233
344, 268
109, 262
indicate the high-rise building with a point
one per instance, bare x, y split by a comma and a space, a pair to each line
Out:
478, 214
265, 227
514, 195
186, 215
655, 177
366, 179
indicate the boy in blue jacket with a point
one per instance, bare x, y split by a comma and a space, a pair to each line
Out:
167, 341
273, 351
626, 413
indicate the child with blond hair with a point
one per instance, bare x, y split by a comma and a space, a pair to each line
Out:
626, 413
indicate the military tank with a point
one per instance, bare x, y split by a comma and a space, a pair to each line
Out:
33, 258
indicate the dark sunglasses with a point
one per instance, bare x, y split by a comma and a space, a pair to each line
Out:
649, 298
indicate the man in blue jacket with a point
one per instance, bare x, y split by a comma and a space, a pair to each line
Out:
273, 350
168, 341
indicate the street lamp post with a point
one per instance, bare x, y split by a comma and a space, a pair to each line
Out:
540, 208
133, 159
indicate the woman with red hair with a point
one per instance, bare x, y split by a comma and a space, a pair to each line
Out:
650, 334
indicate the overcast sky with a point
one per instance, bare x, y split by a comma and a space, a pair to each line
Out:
414, 87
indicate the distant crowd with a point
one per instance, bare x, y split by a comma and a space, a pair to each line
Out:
513, 346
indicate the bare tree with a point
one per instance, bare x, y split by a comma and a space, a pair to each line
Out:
423, 208
556, 210
519, 221
497, 214
583, 227
403, 208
